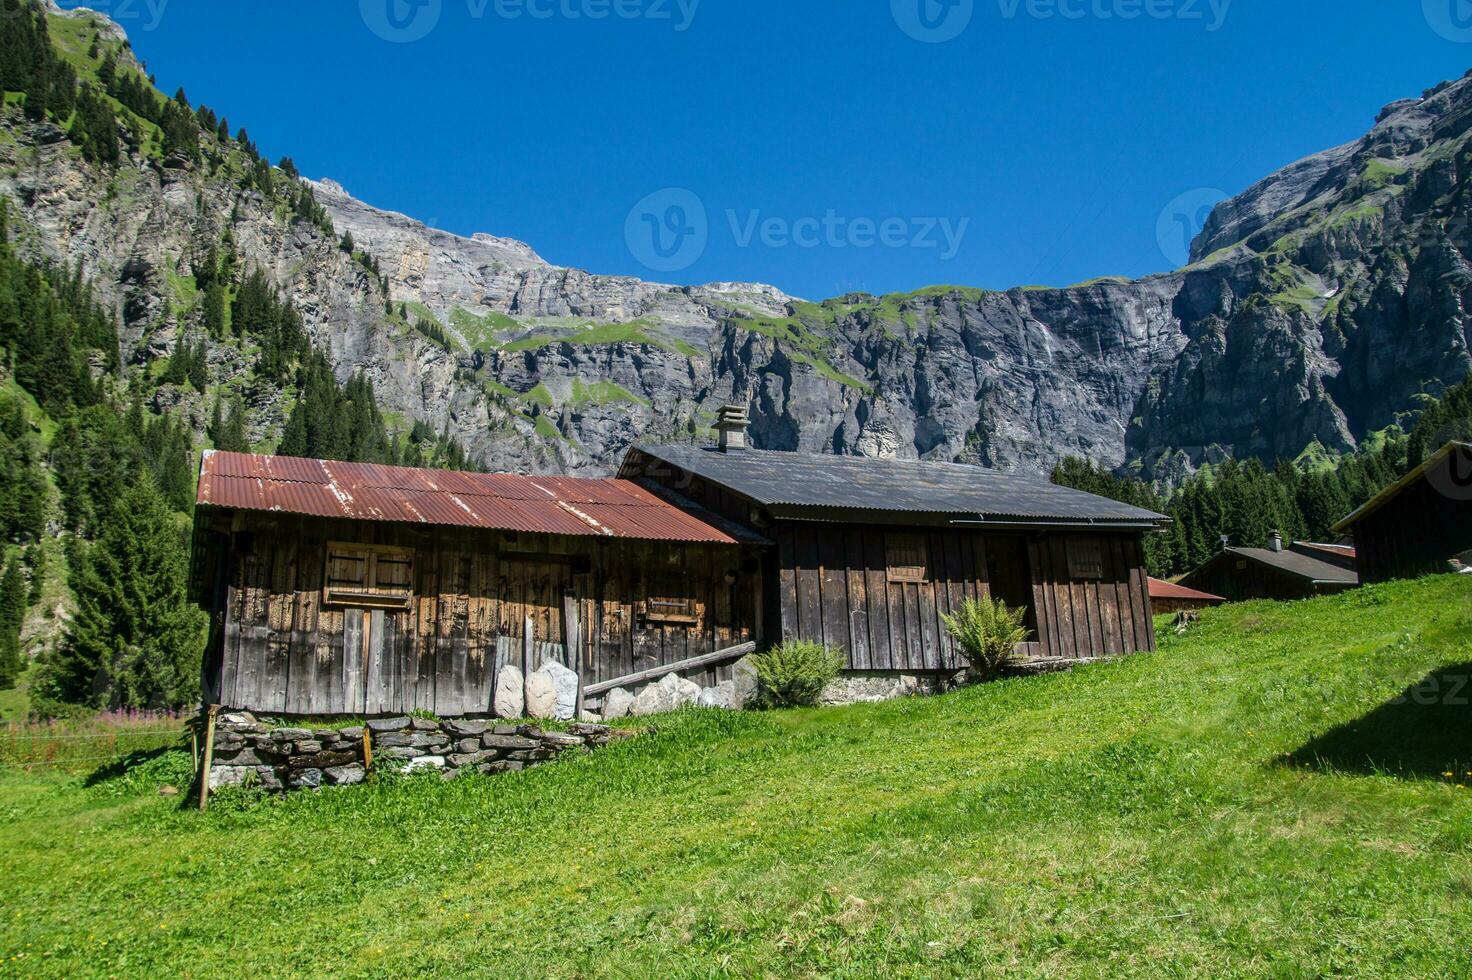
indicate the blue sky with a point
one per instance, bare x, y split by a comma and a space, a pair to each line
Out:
832, 145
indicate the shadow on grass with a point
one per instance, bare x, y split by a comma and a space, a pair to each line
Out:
125, 766
1425, 732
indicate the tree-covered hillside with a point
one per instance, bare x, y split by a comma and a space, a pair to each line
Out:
1303, 499
99, 448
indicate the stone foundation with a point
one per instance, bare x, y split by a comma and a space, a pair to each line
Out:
859, 687
250, 752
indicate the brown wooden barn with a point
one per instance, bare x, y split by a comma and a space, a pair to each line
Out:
1275, 572
1416, 525
869, 553
352, 589
1168, 597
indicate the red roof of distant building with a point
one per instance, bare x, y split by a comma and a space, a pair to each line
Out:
1161, 589
1345, 550
371, 492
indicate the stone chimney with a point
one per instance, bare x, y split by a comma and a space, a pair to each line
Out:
1276, 544
731, 423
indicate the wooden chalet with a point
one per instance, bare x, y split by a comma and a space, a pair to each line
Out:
354, 589
868, 554
1418, 524
1275, 572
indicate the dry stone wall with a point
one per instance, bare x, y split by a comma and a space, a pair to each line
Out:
248, 751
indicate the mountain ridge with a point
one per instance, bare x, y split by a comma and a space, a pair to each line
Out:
1318, 305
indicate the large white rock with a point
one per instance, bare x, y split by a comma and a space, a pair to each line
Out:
510, 698
686, 692
617, 704
541, 695
723, 695
670, 694
565, 684
657, 698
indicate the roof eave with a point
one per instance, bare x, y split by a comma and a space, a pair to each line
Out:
1385, 496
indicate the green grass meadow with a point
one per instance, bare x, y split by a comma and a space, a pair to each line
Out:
1281, 792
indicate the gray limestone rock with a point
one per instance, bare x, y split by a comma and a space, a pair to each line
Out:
510, 700
617, 703
541, 695
565, 686
723, 695
348, 775
744, 680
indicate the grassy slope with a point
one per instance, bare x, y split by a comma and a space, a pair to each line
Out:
1135, 816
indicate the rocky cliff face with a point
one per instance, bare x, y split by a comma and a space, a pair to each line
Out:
1318, 304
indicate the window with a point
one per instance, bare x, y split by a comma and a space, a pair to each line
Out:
369, 575
906, 556
669, 602
1085, 560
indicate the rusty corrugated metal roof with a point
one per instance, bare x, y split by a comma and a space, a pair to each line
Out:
1161, 589
372, 492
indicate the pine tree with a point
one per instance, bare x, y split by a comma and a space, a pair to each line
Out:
198, 373
229, 429
135, 640
13, 603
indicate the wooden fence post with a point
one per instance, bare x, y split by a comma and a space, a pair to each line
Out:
209, 758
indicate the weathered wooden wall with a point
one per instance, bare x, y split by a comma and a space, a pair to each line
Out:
1414, 533
280, 648
834, 587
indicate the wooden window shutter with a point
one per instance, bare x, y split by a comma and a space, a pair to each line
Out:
907, 557
669, 601
1085, 560
370, 576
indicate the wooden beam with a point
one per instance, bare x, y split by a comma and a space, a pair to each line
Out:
572, 644
528, 645
655, 673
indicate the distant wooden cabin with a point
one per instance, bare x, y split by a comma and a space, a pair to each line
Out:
868, 554
1275, 572
353, 589
1415, 526
1168, 597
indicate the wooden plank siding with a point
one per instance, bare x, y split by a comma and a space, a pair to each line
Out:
835, 587
282, 650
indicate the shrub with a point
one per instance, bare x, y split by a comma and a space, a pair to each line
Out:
988, 633
794, 674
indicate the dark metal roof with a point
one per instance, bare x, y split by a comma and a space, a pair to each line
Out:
1299, 565
792, 482
1394, 490
370, 492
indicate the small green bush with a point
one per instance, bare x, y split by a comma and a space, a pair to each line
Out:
988, 633
794, 674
